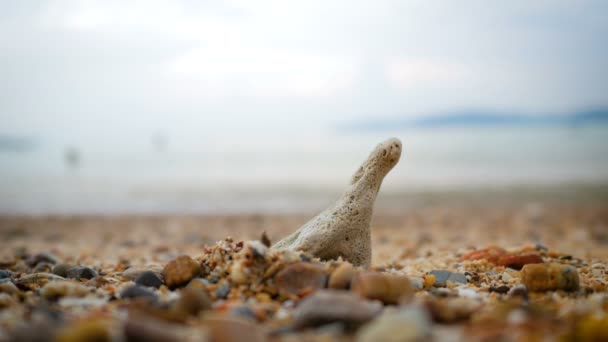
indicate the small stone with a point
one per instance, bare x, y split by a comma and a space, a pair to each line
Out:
300, 277
81, 272
36, 280
329, 306
387, 288
59, 289
222, 291
453, 309
341, 277
193, 299
546, 277
7, 286
457, 278
408, 324
133, 272
492, 254
499, 289
518, 291
62, 269
222, 328
517, 261
93, 330
43, 267
4, 274
149, 279
140, 327
41, 257
441, 277
180, 270
137, 292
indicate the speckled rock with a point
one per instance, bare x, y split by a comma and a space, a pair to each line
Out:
545, 277
328, 306
387, 288
81, 272
149, 279
180, 271
299, 277
403, 325
343, 229
341, 277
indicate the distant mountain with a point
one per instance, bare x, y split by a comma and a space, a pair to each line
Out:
485, 118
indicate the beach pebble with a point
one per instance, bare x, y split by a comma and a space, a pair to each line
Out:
520, 291
141, 327
36, 280
135, 291
149, 279
340, 278
193, 299
133, 272
223, 291
406, 324
222, 328
62, 269
43, 267
387, 288
4, 274
81, 272
6, 300
300, 277
58, 289
41, 257
329, 306
180, 271
546, 277
443, 276
517, 261
7, 286
90, 330
452, 309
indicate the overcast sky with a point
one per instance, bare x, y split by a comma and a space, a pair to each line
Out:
117, 66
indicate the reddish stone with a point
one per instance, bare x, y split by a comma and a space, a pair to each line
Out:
517, 261
492, 254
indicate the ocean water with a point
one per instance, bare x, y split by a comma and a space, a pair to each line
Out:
284, 171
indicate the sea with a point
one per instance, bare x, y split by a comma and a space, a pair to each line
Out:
273, 171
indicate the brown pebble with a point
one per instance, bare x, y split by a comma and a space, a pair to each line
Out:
94, 330
193, 299
388, 288
546, 277
341, 277
299, 278
180, 271
222, 328
329, 306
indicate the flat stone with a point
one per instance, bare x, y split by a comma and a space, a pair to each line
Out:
137, 292
441, 277
457, 278
387, 288
149, 279
406, 324
301, 276
330, 306
81, 272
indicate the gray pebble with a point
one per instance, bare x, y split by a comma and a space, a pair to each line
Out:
137, 292
41, 257
441, 276
5, 274
222, 291
80, 272
148, 278
458, 278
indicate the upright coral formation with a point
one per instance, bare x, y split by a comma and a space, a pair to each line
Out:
343, 229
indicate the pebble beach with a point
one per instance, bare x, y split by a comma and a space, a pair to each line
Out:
469, 271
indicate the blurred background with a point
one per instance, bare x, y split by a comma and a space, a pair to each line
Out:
248, 106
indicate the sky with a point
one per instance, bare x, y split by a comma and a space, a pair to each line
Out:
113, 68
